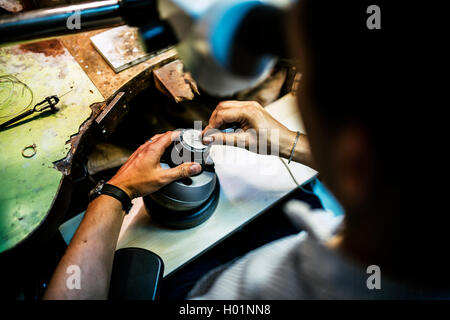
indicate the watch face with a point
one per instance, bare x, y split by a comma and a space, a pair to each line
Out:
97, 189
192, 139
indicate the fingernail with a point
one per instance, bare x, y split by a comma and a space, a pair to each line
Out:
208, 140
195, 168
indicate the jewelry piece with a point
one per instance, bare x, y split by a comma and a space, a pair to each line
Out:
293, 147
25, 154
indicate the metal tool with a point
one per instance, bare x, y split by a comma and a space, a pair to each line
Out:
227, 46
81, 17
48, 104
187, 202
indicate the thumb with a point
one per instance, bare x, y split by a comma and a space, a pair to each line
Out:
182, 171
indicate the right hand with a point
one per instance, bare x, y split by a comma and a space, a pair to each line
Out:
142, 174
256, 125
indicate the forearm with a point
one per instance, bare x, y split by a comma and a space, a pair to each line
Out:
92, 250
301, 152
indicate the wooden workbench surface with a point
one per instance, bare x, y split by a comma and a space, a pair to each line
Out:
29, 186
101, 74
250, 184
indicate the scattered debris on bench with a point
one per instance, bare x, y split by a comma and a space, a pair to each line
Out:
174, 83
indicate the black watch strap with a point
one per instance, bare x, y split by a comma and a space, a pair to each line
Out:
115, 192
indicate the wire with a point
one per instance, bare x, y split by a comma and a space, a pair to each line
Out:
13, 81
293, 178
2, 80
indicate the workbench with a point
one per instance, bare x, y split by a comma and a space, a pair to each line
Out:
250, 185
32, 189
35, 192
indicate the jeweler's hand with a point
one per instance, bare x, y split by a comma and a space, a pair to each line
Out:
142, 174
257, 127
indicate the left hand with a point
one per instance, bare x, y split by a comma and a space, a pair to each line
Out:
142, 174
256, 124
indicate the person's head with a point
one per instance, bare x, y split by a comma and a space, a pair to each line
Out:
365, 136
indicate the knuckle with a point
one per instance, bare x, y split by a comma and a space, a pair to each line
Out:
221, 105
250, 111
219, 116
161, 180
249, 108
255, 104
254, 109
184, 171
146, 149
213, 117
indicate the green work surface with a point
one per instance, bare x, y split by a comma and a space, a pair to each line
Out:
28, 186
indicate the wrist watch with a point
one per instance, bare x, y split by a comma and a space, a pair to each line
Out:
112, 191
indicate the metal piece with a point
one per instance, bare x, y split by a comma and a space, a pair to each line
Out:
81, 17
189, 148
110, 117
60, 96
30, 147
187, 218
49, 103
192, 192
192, 139
172, 81
227, 46
56, 21
188, 193
120, 47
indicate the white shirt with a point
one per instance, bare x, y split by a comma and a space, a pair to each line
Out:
300, 267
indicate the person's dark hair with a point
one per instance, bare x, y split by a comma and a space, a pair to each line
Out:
358, 75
